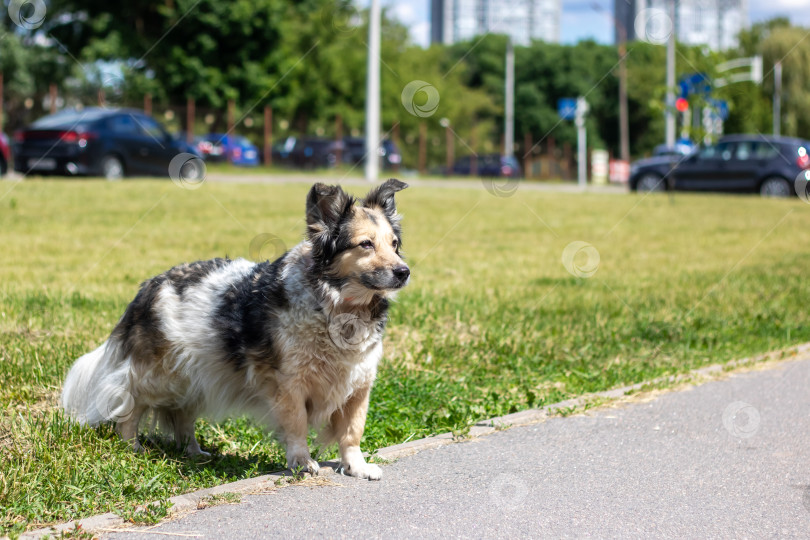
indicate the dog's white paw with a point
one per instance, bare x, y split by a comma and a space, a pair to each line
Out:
302, 459
362, 470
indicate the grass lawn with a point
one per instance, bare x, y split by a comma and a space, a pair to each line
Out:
492, 322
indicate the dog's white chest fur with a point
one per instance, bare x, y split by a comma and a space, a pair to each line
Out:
331, 354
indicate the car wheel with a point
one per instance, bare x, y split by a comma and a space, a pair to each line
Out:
775, 187
651, 182
112, 168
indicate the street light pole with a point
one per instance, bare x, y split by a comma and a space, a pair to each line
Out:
373, 93
582, 142
670, 105
624, 122
777, 99
509, 121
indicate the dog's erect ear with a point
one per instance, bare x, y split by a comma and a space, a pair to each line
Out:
326, 207
383, 196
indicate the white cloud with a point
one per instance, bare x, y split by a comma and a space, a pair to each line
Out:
404, 12
420, 33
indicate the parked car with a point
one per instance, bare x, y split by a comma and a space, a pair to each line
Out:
354, 152
314, 152
489, 165
736, 163
235, 149
95, 141
207, 148
305, 153
5, 154
679, 150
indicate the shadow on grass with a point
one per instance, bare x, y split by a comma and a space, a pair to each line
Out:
223, 462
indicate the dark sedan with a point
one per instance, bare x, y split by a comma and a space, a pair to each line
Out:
306, 153
737, 163
94, 141
354, 152
489, 165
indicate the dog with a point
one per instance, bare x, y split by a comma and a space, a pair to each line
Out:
294, 343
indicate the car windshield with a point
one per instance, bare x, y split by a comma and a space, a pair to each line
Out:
69, 119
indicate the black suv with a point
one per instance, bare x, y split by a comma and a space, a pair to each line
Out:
100, 142
736, 163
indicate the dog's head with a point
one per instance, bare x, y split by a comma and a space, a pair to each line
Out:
356, 247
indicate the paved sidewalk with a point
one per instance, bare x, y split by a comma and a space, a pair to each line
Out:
730, 458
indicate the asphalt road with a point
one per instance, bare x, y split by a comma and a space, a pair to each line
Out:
730, 458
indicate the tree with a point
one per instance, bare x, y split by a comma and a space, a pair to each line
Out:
791, 47
752, 111
545, 73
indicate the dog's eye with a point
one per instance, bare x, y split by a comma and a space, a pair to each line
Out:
395, 243
366, 244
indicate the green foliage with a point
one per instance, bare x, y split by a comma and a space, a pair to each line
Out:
751, 104
308, 61
791, 47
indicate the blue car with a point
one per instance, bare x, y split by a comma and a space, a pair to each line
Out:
232, 148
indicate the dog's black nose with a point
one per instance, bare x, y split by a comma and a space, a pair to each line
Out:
401, 272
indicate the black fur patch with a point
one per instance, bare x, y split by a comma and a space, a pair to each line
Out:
187, 275
379, 312
138, 331
246, 315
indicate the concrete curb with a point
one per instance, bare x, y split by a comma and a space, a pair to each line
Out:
190, 501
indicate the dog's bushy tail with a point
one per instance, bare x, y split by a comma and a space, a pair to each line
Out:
97, 388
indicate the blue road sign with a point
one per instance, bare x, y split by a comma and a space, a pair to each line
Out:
567, 108
719, 108
696, 83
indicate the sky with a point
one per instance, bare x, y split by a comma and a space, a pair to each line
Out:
581, 19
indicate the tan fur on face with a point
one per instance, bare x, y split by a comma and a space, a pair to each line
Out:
358, 260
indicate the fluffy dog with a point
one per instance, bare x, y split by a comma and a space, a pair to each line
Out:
294, 343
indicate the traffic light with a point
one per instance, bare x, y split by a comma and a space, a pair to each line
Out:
682, 104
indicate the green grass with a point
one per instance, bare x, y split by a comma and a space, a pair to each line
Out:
335, 174
491, 323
